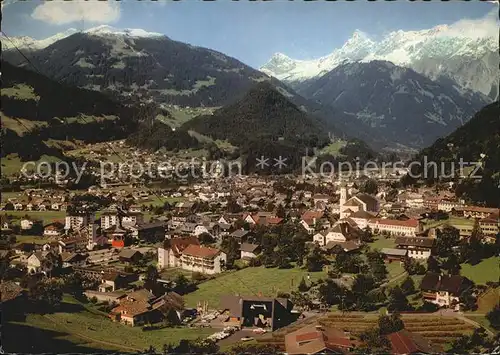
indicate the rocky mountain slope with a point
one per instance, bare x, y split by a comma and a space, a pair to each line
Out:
397, 103
135, 63
32, 114
468, 57
476, 141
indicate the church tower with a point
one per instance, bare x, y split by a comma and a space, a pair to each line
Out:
343, 198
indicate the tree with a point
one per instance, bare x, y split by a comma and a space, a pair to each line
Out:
315, 260
374, 342
433, 265
494, 317
232, 249
206, 239
301, 299
397, 300
390, 323
330, 292
197, 346
369, 187
367, 235
447, 239
468, 300
182, 284
45, 294
303, 286
452, 264
408, 286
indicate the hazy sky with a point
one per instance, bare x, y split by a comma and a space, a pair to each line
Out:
249, 31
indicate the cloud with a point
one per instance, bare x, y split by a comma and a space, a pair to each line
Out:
64, 12
475, 28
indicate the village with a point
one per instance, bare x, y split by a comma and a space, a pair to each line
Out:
295, 264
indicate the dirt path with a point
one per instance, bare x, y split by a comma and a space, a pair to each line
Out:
115, 345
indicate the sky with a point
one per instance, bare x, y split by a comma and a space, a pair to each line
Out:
250, 31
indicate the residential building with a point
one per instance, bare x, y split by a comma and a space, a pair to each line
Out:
169, 255
342, 231
417, 247
257, 311
203, 259
396, 227
392, 254
443, 290
317, 339
477, 212
405, 342
249, 251
78, 218
136, 308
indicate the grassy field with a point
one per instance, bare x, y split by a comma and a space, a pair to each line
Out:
84, 326
46, 216
12, 164
486, 270
249, 281
31, 239
394, 269
333, 149
381, 242
160, 201
452, 221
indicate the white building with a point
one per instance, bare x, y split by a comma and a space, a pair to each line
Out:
78, 219
203, 259
409, 227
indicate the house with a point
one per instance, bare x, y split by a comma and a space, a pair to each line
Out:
241, 235
405, 342
169, 255
53, 229
410, 227
348, 246
477, 212
257, 311
112, 281
309, 219
153, 231
129, 256
249, 251
73, 259
72, 244
392, 254
136, 308
417, 247
132, 218
203, 259
361, 218
317, 339
443, 290
342, 231
28, 224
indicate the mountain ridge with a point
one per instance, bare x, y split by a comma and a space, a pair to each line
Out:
448, 51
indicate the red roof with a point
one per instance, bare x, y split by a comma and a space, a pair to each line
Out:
394, 222
201, 251
310, 215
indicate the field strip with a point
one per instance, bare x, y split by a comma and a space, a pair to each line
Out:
116, 345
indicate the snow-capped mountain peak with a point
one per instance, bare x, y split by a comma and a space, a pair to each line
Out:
455, 51
130, 32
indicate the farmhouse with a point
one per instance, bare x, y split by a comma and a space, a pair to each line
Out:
443, 290
417, 247
317, 339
